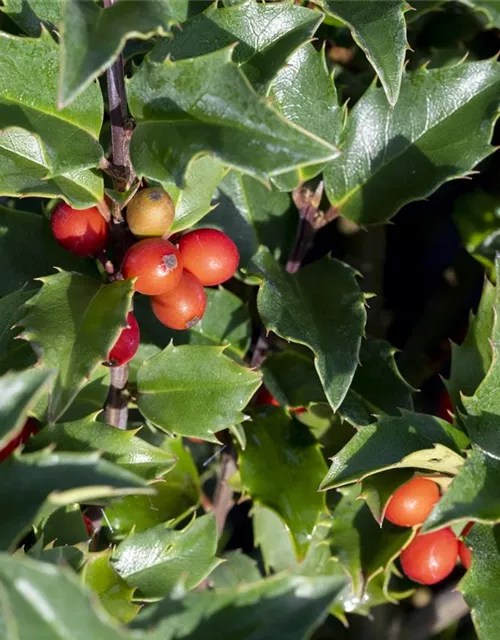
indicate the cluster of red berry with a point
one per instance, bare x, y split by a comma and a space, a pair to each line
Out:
173, 274
430, 557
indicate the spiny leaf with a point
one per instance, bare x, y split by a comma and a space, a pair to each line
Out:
453, 112
30, 15
14, 354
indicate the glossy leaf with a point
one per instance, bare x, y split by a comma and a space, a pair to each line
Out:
280, 607
18, 394
157, 560
65, 526
266, 35
28, 100
30, 15
281, 468
253, 214
237, 569
471, 495
489, 10
45, 601
44, 481
320, 307
273, 538
195, 106
22, 260
73, 322
412, 440
370, 23
453, 112
194, 390
176, 495
124, 448
14, 354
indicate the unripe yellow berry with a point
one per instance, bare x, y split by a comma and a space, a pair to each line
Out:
150, 213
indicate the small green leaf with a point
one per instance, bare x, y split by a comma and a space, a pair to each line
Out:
411, 441
273, 538
237, 569
22, 260
266, 35
40, 600
65, 526
444, 139
114, 593
124, 448
283, 606
18, 394
187, 108
157, 560
73, 321
281, 468
14, 354
472, 495
194, 390
92, 38
370, 23
320, 307
44, 481
30, 15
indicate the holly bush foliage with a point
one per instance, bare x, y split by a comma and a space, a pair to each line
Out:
272, 122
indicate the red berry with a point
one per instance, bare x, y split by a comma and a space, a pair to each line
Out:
156, 264
465, 554
210, 255
446, 409
430, 557
30, 427
84, 232
265, 397
412, 502
127, 344
182, 307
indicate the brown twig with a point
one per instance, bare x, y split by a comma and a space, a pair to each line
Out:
223, 496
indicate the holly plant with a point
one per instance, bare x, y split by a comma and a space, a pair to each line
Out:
249, 319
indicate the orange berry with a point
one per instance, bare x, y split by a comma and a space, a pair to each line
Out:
84, 232
412, 502
182, 307
430, 557
210, 255
156, 264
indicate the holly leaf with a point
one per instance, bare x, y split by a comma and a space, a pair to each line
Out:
370, 22
237, 569
72, 322
194, 106
44, 481
320, 307
443, 140
70, 136
92, 37
194, 390
471, 495
283, 606
124, 448
266, 35
480, 585
19, 392
253, 214
157, 560
411, 441
489, 10
30, 15
22, 260
14, 354
273, 538
175, 496
281, 468
40, 600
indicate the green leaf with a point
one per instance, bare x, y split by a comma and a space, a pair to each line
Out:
24, 166
283, 606
18, 394
124, 448
480, 586
194, 390
472, 495
320, 307
40, 600
91, 398
273, 538
370, 23
489, 9
266, 35
176, 495
411, 441
69, 557
444, 139
281, 468
14, 354
65, 526
378, 489
22, 260
30, 15
73, 321
44, 481
70, 137
92, 38
114, 593
157, 560
237, 569
194, 106
253, 214
471, 360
